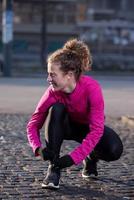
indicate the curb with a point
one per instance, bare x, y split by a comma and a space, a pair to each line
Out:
128, 120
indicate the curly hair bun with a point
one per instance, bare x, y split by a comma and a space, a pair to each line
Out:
82, 50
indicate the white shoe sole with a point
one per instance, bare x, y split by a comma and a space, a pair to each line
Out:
50, 186
89, 176
84, 176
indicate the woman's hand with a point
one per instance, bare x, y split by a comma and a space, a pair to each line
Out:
45, 153
65, 161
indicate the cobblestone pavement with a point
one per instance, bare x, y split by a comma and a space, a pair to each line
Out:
21, 173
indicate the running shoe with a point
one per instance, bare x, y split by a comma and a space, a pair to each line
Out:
52, 178
90, 168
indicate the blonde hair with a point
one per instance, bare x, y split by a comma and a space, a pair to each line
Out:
74, 56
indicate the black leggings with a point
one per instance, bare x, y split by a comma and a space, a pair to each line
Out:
59, 127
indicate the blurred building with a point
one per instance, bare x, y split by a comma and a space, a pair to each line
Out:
106, 25
108, 28
28, 17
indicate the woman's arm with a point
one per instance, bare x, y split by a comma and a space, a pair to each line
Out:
96, 125
37, 120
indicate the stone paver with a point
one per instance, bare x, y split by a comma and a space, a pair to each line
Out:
21, 173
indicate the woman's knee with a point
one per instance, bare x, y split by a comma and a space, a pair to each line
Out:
57, 110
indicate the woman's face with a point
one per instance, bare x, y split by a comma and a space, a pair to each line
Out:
59, 80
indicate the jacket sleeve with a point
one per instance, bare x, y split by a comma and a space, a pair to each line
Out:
96, 125
37, 120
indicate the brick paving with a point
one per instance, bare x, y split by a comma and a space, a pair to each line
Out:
21, 173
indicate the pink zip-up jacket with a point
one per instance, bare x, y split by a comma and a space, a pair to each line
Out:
84, 105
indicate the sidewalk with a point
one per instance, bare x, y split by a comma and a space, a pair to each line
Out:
21, 174
20, 95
